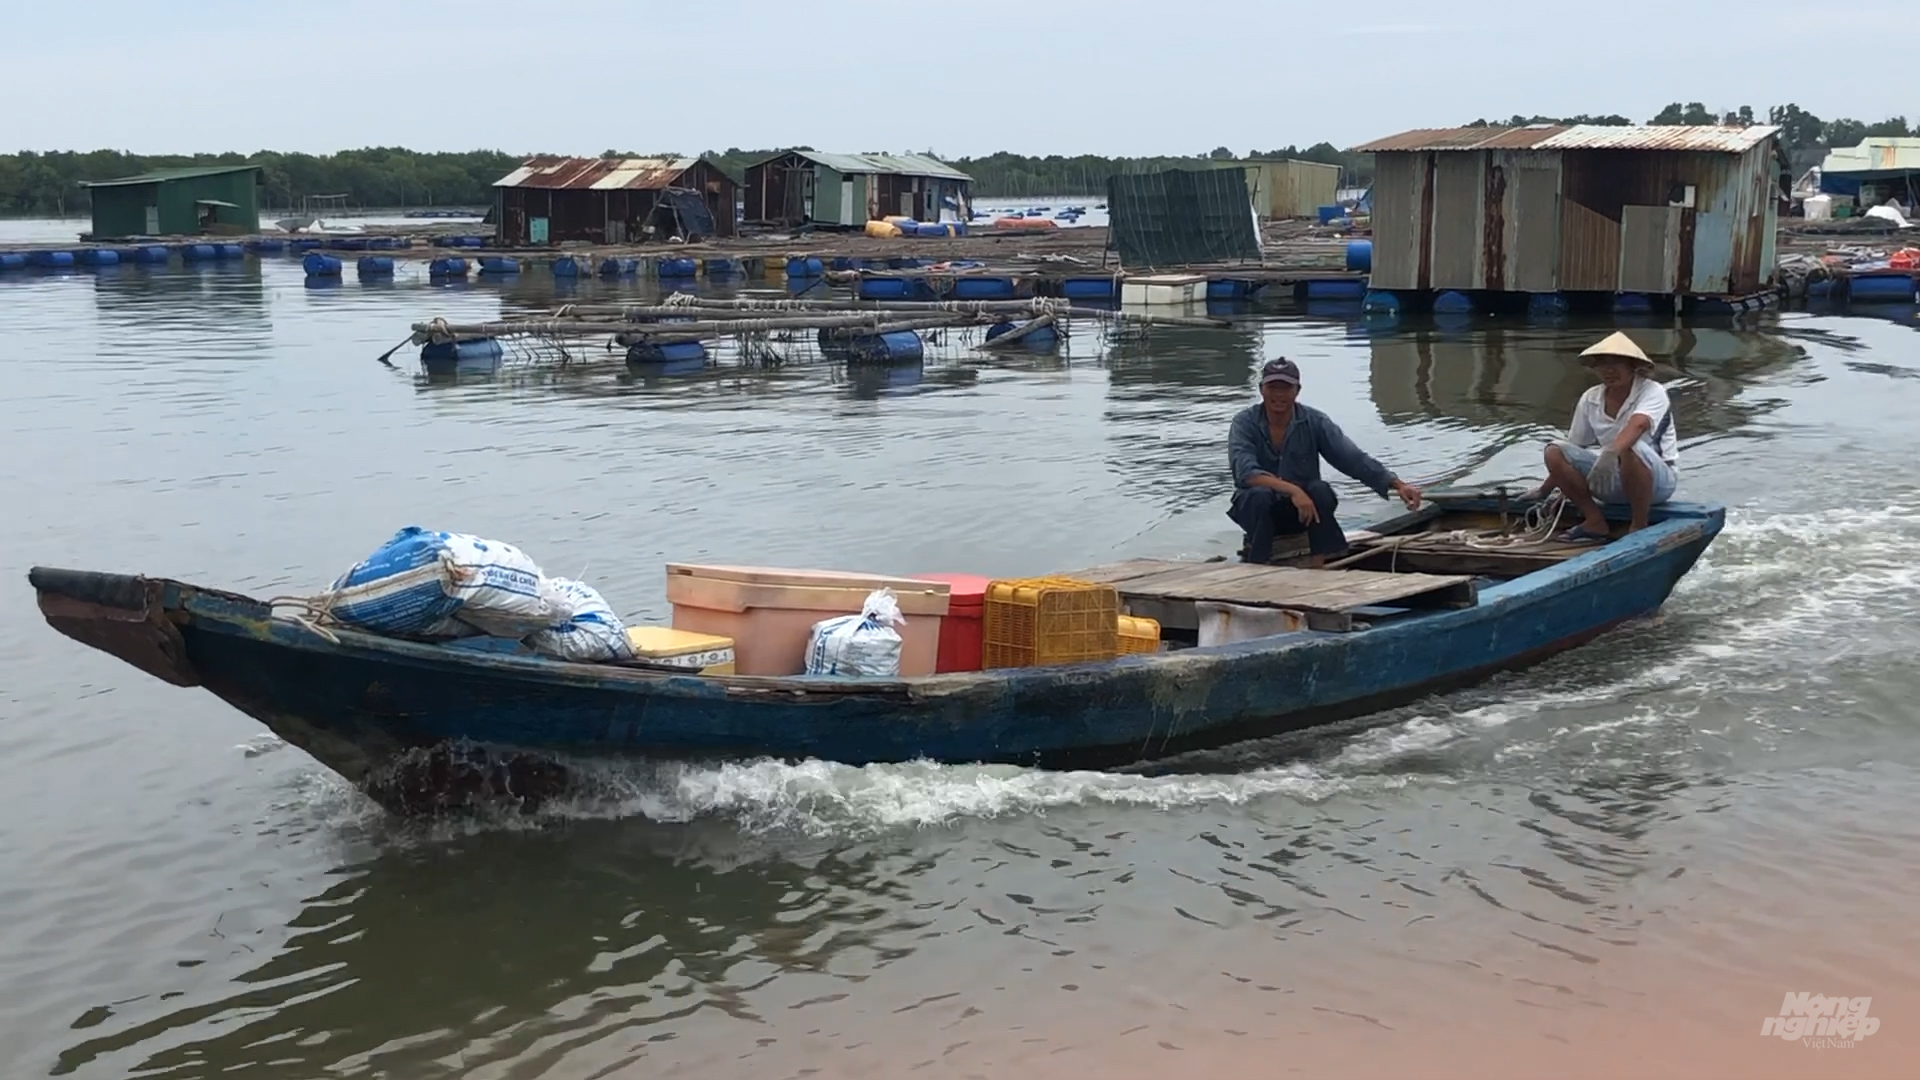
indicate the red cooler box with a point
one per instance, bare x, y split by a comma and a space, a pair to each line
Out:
960, 630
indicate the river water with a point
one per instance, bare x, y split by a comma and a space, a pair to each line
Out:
1616, 863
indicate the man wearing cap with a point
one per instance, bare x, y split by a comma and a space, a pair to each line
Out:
1274, 448
1621, 446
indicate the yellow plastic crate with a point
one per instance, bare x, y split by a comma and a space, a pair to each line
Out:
1032, 622
1139, 634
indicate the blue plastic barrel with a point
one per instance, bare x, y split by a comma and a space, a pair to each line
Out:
382, 243
843, 262
347, 243
879, 288
678, 267
468, 357
1360, 255
619, 267
305, 244
1229, 289
1380, 302
646, 352
266, 247
667, 358
1329, 213
229, 251
1881, 287
199, 252
151, 254
100, 257
374, 266
1546, 305
13, 260
982, 288
447, 266
499, 264
566, 266
53, 258
896, 347
1451, 302
1336, 289
318, 265
1045, 337
808, 266
1089, 288
1632, 304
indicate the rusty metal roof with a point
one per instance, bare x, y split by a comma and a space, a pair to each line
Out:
1483, 137
1727, 140
597, 174
1732, 140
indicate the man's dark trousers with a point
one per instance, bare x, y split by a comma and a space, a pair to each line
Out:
1265, 513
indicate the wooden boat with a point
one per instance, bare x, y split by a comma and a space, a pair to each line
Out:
1424, 603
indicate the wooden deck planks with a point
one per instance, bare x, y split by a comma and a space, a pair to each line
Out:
1276, 586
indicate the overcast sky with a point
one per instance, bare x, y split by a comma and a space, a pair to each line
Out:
1123, 77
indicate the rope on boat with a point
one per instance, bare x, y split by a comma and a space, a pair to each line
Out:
1538, 524
309, 612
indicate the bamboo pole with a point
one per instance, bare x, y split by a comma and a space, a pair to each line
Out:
571, 328
1058, 308
965, 307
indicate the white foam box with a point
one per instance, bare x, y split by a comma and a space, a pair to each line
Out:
1164, 290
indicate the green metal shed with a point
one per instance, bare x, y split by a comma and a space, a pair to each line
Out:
797, 186
219, 199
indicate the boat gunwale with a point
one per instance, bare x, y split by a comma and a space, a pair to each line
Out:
228, 612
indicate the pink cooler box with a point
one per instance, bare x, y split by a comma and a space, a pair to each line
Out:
769, 612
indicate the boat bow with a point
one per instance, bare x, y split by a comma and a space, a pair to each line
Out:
122, 615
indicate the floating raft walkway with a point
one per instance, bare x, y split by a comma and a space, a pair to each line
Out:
1063, 264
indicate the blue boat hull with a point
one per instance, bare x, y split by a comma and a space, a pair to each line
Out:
409, 722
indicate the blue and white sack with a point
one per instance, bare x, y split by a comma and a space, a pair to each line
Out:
424, 583
863, 646
593, 635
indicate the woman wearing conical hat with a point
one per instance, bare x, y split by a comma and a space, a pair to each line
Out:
1621, 447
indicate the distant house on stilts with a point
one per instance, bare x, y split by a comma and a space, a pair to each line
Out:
796, 187
552, 200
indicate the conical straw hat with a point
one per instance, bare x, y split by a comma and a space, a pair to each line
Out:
1618, 344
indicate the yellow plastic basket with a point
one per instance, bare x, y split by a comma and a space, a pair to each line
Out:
1138, 634
1032, 622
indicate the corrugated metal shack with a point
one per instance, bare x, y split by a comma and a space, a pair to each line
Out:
551, 200
1880, 168
212, 199
799, 186
1661, 210
1289, 187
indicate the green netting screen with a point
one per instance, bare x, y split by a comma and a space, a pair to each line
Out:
1181, 216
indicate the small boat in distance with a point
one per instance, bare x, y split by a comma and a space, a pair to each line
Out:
1468, 585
